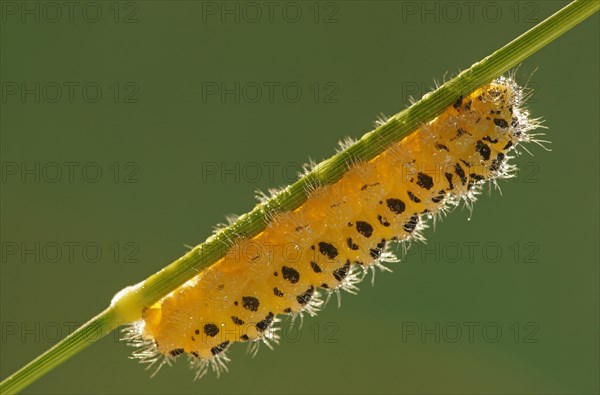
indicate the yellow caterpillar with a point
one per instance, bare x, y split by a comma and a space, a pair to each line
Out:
342, 230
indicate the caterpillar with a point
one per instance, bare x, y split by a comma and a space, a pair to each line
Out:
342, 232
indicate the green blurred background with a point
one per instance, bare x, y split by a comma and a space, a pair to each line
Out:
175, 156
